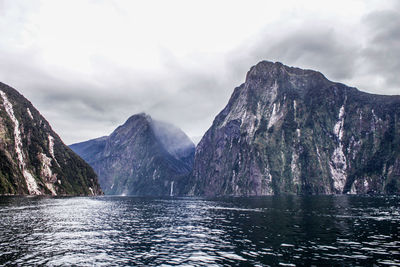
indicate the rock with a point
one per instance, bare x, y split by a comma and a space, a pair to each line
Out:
288, 130
142, 157
33, 158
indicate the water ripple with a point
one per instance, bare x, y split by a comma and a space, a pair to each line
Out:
115, 231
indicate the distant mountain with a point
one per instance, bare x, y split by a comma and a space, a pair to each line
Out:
141, 157
288, 130
33, 159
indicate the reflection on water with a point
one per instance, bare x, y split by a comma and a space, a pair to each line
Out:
284, 230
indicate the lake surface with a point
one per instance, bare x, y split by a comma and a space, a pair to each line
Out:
281, 230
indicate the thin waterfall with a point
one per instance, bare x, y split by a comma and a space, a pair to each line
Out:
171, 192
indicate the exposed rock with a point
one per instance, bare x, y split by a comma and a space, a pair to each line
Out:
288, 130
141, 157
33, 159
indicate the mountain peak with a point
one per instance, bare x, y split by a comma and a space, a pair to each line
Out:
289, 130
141, 157
139, 116
268, 69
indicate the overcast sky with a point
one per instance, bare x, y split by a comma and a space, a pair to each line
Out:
89, 65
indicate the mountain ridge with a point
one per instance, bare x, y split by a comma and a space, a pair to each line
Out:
301, 118
141, 157
34, 159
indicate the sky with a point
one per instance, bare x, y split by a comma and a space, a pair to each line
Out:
88, 65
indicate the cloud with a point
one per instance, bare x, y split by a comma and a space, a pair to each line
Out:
367, 59
182, 67
382, 52
322, 49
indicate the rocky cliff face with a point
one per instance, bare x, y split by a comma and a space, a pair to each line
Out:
141, 157
288, 130
33, 159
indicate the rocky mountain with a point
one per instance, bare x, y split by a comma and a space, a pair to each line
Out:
33, 158
289, 130
141, 157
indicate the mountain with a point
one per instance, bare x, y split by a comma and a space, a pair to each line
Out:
141, 157
33, 158
288, 130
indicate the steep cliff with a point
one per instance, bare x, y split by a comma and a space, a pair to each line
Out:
288, 130
141, 157
33, 159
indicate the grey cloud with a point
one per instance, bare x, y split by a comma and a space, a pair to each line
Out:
382, 53
321, 48
306, 46
191, 97
190, 93
324, 49
78, 108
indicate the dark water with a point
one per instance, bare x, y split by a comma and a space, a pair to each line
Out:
286, 230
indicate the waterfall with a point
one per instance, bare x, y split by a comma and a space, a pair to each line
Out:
171, 192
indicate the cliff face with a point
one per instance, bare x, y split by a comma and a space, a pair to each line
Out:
288, 130
33, 159
142, 157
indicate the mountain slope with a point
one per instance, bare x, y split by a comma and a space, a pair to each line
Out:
288, 130
141, 157
33, 159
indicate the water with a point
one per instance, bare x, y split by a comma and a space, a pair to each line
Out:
285, 230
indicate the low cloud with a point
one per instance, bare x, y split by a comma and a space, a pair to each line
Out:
190, 90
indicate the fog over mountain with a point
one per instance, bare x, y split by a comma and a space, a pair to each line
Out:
142, 157
178, 62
